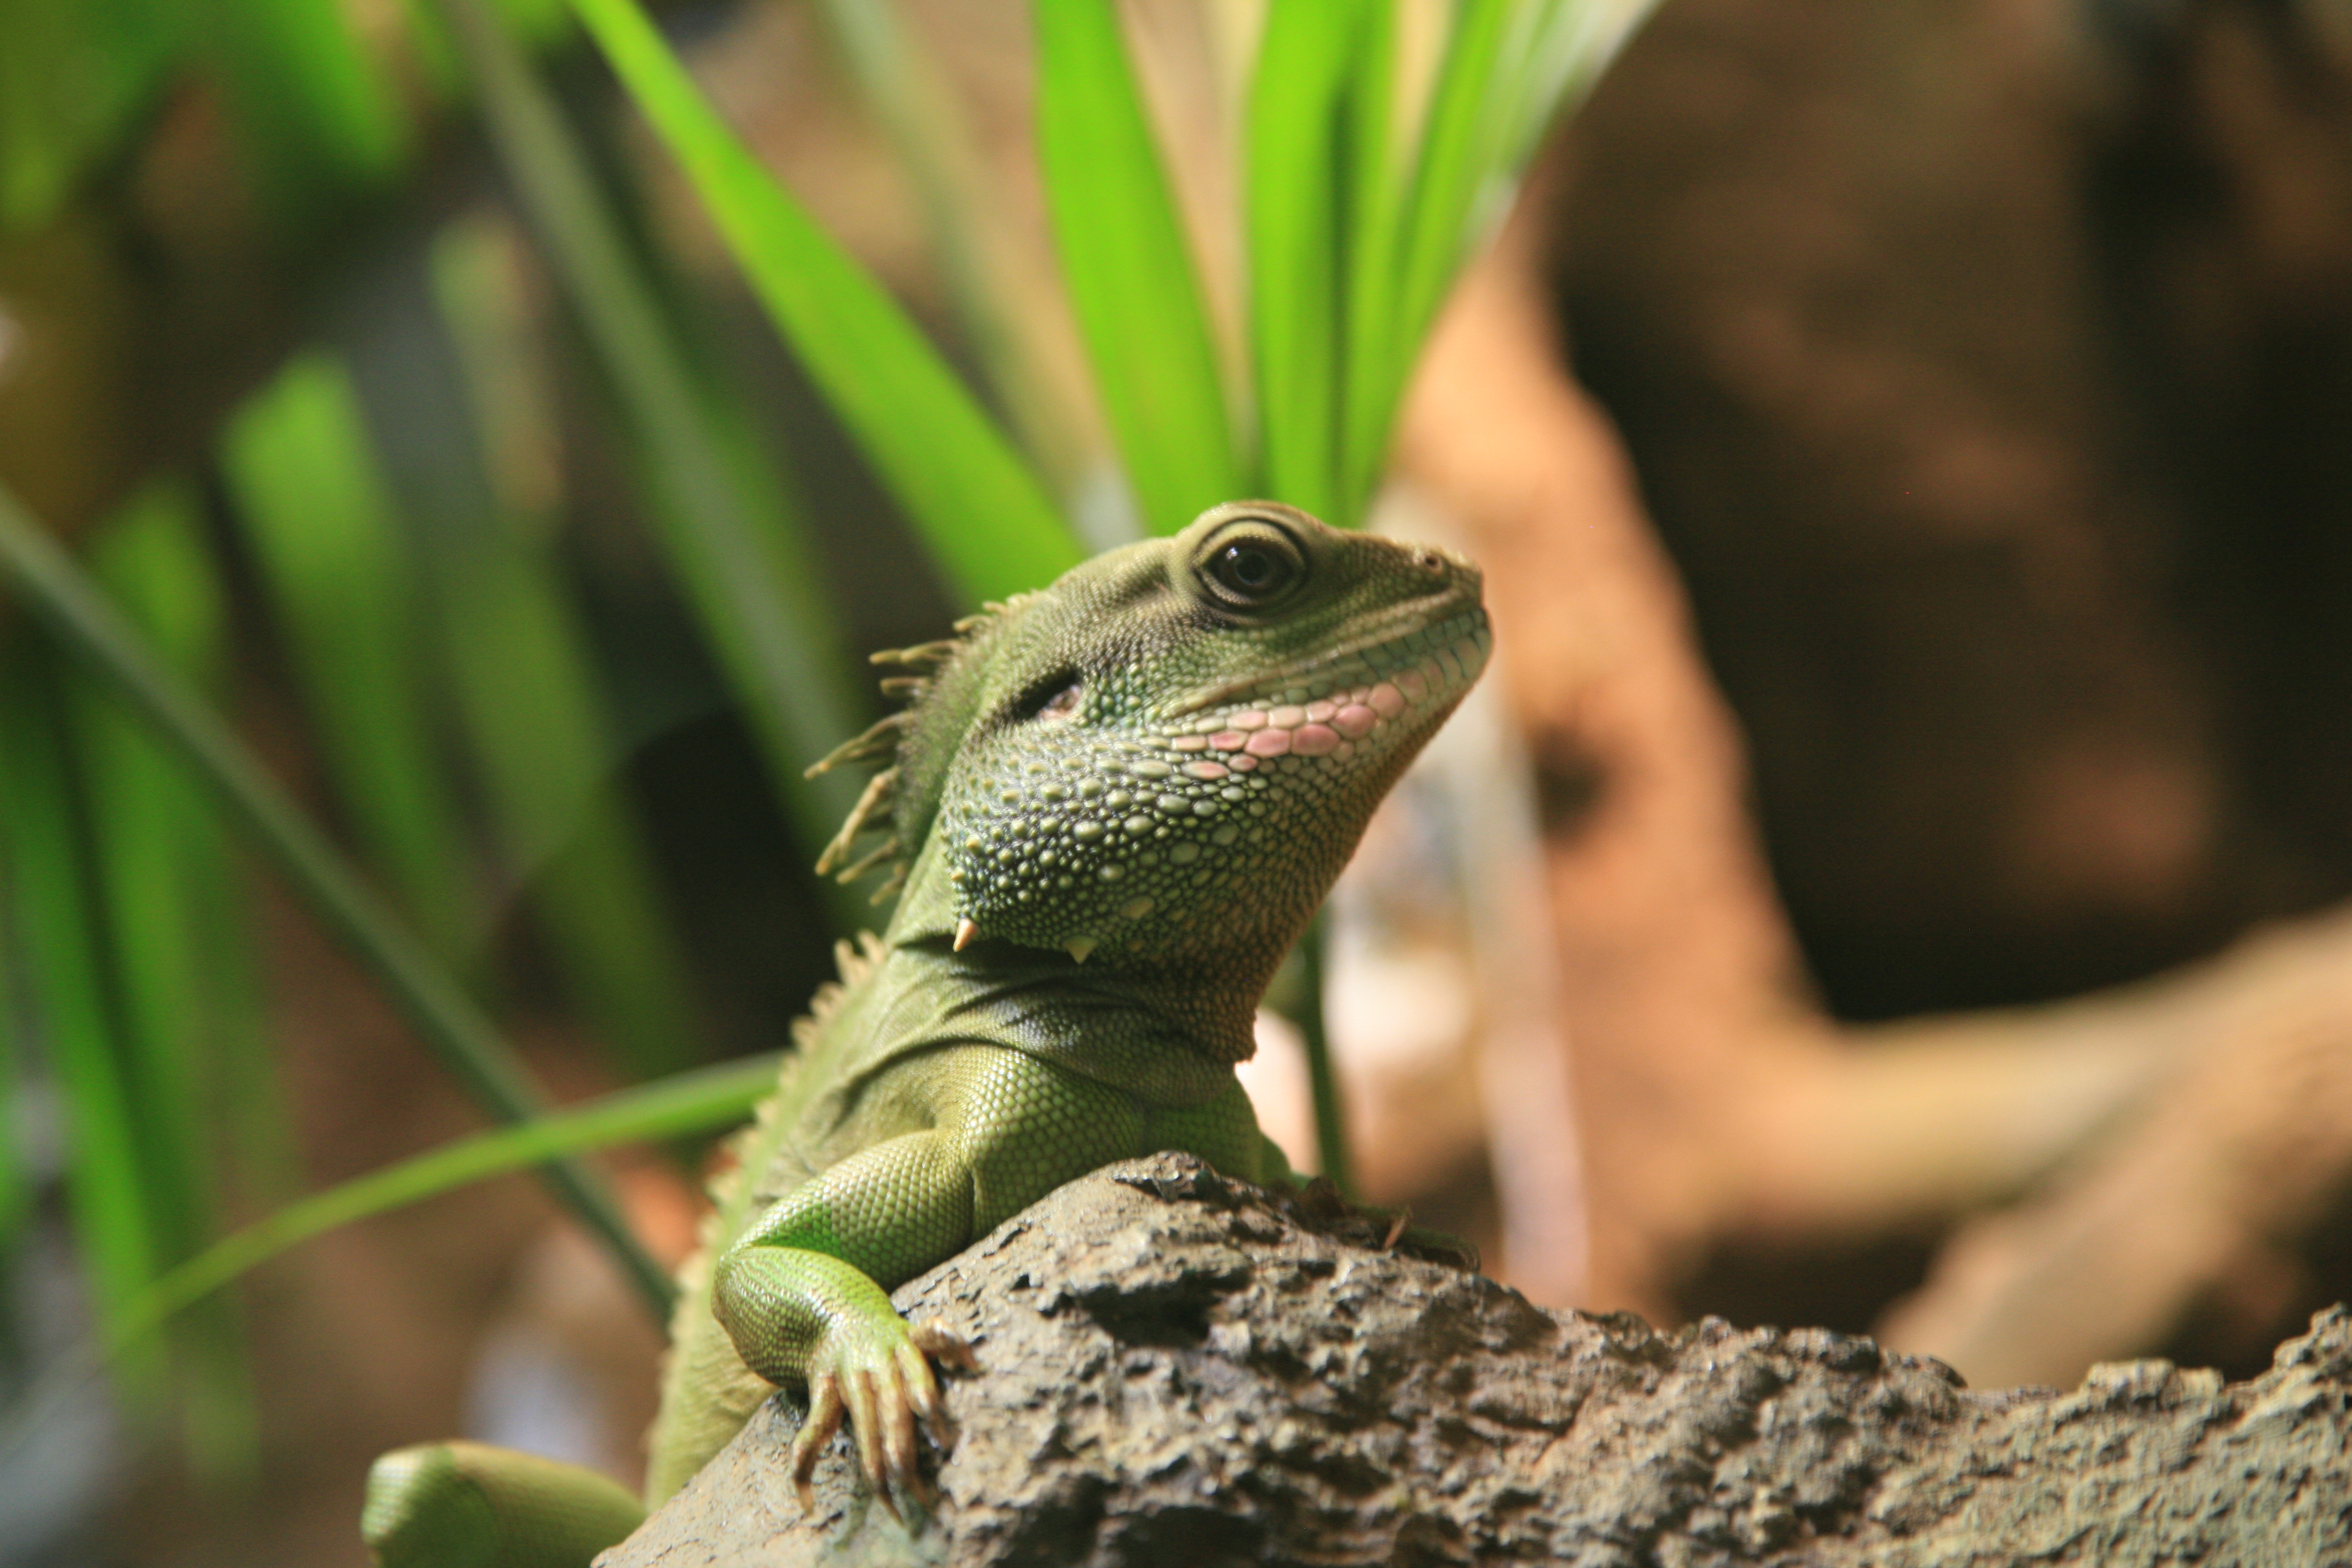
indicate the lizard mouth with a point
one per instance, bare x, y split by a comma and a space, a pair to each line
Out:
1408, 667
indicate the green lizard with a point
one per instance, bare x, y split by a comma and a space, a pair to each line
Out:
1111, 807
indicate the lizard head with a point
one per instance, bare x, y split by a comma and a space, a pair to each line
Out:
1169, 754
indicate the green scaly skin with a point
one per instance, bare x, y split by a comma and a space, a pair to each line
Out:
1112, 806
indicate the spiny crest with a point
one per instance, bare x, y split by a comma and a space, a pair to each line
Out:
900, 798
854, 962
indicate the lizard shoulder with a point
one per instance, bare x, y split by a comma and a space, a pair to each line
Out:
1024, 1125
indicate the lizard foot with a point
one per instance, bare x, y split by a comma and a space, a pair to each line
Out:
881, 1391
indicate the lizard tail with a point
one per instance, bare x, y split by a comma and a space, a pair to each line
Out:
468, 1505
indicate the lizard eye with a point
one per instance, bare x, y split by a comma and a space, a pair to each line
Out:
1250, 566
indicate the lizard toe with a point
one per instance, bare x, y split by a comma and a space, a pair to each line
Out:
866, 1429
923, 1394
898, 1434
824, 1420
944, 1345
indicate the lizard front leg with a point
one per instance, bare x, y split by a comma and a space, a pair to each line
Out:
803, 1296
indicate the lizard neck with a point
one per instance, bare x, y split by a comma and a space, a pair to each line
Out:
1166, 1030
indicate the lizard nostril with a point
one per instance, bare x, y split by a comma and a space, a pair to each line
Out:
1432, 561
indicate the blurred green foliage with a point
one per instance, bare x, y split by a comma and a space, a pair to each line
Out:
421, 596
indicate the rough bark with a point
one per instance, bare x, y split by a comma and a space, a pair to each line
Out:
1177, 1368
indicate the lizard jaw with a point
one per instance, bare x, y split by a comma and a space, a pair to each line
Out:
1326, 711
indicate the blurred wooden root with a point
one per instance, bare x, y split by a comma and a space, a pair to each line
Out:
2119, 1161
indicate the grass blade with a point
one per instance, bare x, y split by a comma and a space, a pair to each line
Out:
1407, 266
972, 498
525, 685
165, 885
688, 1102
66, 972
17, 1179
724, 519
1508, 67
1459, 171
314, 503
998, 279
72, 77
316, 115
165, 892
452, 1026
1377, 174
1128, 266
1297, 152
685, 1102
1571, 42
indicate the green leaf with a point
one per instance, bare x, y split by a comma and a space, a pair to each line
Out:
1363, 202
723, 515
82, 619
1376, 172
73, 78
1568, 43
524, 680
48, 877
687, 1102
1509, 67
16, 1178
189, 1010
313, 501
536, 22
1459, 170
142, 824
998, 276
190, 1029
1296, 173
975, 502
1128, 266
1453, 169
318, 119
